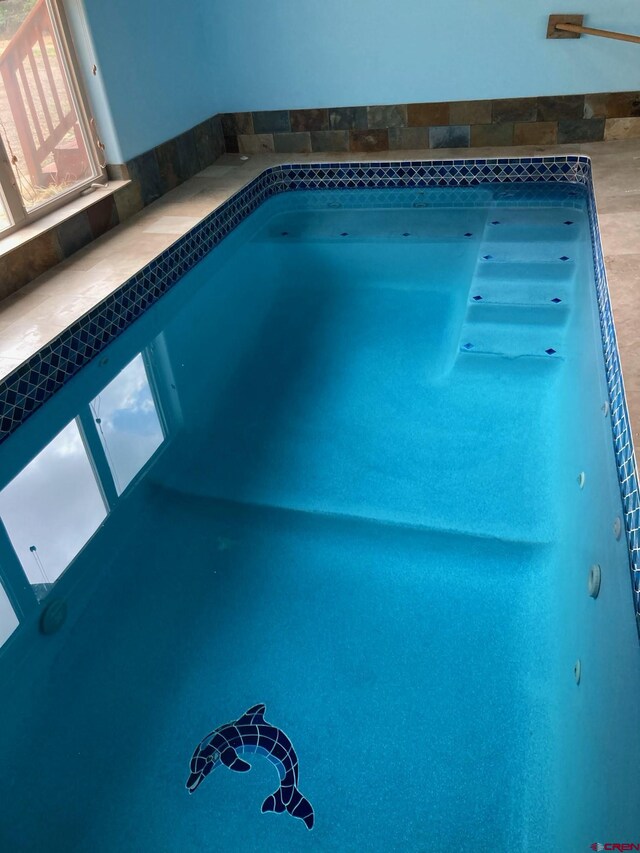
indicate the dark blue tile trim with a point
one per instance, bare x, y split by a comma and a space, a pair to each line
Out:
31, 384
619, 413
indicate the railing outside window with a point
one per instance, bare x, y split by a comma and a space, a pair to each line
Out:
46, 146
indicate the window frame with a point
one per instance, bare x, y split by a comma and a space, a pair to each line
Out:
9, 190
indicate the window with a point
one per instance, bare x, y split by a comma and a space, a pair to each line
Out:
46, 151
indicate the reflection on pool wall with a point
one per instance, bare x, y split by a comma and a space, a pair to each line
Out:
128, 423
57, 501
52, 508
349, 515
8, 619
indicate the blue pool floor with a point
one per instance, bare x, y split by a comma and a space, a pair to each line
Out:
374, 648
358, 526
349, 390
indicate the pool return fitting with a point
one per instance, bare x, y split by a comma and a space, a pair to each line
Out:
53, 616
594, 581
617, 527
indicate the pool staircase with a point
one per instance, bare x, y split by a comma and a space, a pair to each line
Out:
352, 396
520, 295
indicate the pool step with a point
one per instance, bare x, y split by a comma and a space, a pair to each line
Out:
564, 221
521, 237
503, 324
520, 294
348, 226
539, 316
567, 221
512, 341
497, 265
510, 291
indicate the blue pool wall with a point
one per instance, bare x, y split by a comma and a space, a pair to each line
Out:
163, 70
157, 69
30, 385
35, 381
593, 725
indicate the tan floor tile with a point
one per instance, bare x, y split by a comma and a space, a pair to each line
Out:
133, 256
629, 200
620, 232
222, 174
215, 171
7, 364
177, 225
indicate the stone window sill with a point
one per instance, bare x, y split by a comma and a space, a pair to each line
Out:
36, 248
51, 220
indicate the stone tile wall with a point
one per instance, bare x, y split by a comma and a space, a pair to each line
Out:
456, 124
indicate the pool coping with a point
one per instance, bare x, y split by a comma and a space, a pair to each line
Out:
29, 385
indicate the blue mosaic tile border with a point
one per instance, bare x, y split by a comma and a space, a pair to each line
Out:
619, 413
31, 384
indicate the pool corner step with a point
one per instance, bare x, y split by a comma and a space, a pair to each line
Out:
544, 314
511, 341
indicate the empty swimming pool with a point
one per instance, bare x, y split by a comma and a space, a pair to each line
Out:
329, 509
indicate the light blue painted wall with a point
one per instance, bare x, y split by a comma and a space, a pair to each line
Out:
155, 62
303, 53
94, 84
164, 66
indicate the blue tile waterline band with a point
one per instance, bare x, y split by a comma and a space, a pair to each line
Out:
44, 373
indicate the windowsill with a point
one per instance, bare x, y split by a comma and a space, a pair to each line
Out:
56, 217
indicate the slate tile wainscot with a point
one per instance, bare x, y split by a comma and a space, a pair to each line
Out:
360, 129
450, 124
150, 175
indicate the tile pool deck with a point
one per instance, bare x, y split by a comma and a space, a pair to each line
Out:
36, 314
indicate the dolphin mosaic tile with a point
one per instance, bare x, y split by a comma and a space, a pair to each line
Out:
251, 734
